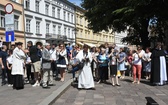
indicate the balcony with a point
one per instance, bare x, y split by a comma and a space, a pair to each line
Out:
50, 36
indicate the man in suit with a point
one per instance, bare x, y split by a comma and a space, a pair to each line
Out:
46, 66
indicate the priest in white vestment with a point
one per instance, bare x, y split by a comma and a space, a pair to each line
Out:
85, 79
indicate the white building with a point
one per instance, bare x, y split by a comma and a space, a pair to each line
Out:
51, 20
118, 39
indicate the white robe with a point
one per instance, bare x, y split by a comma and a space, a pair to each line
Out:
18, 61
163, 72
85, 78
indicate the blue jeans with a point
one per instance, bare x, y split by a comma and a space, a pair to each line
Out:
74, 70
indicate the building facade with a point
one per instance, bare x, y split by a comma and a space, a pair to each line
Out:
86, 36
18, 21
49, 20
118, 39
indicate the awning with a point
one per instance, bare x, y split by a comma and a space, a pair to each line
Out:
90, 45
80, 43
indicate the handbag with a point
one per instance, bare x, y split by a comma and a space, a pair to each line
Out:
46, 65
80, 65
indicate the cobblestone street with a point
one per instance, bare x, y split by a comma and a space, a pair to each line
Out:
106, 94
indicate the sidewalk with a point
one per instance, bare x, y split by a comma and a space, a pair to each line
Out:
33, 95
106, 94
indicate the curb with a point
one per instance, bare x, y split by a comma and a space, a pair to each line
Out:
56, 94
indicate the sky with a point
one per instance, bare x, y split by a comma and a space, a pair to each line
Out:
77, 2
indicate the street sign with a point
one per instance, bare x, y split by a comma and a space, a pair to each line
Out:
9, 27
9, 19
9, 8
10, 36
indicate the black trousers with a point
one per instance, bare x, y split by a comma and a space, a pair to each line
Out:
103, 73
29, 73
18, 82
4, 75
10, 78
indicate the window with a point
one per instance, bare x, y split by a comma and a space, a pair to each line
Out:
2, 19
28, 25
68, 17
27, 4
59, 30
16, 22
64, 15
80, 20
53, 11
54, 29
89, 36
72, 18
77, 19
47, 28
58, 13
81, 33
37, 6
72, 34
68, 32
65, 31
37, 27
46, 9
14, 0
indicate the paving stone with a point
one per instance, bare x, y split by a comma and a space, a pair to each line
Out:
29, 95
127, 94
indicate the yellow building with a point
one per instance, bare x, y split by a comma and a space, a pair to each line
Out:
86, 36
18, 21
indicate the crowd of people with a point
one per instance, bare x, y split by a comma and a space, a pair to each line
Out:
42, 64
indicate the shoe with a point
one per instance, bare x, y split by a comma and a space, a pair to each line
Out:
113, 85
134, 82
45, 86
62, 80
36, 84
147, 77
138, 82
118, 85
99, 82
9, 85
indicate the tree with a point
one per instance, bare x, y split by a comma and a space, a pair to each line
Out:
130, 15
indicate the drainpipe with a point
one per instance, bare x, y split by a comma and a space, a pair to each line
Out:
22, 3
75, 24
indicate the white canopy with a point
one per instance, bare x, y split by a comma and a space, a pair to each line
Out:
80, 43
90, 44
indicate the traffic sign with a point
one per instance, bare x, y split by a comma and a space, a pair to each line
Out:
9, 8
9, 19
10, 36
9, 27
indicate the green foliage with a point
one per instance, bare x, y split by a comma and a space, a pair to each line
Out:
119, 14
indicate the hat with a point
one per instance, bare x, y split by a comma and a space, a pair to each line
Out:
18, 43
47, 44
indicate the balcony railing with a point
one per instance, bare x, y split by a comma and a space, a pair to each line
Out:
55, 36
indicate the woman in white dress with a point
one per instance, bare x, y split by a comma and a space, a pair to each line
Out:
85, 79
147, 63
62, 61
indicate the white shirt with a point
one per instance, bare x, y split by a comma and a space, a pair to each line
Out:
137, 60
53, 54
10, 59
28, 60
